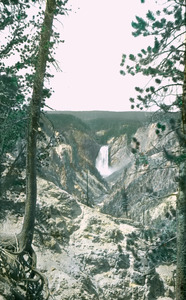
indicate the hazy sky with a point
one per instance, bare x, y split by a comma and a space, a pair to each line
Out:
96, 33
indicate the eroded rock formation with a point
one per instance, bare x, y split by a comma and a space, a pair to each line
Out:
119, 246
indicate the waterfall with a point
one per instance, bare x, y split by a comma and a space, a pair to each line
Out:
102, 162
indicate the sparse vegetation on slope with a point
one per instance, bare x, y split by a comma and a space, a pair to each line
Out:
110, 124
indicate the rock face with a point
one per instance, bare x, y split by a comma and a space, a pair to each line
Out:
71, 162
145, 179
99, 238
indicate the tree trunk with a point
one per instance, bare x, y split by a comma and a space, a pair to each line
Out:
181, 236
181, 208
26, 235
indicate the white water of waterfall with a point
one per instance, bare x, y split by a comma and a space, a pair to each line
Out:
102, 162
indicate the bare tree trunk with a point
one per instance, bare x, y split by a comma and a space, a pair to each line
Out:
181, 236
184, 92
26, 235
181, 207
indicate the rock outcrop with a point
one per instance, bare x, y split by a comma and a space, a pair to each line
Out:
71, 162
89, 255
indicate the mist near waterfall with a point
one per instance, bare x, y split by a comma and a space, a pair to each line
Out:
102, 162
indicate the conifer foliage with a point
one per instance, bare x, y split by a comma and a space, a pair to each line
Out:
164, 63
22, 89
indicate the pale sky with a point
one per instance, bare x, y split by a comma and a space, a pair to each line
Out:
96, 34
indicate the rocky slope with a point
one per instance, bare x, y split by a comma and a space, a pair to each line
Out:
99, 238
146, 177
86, 254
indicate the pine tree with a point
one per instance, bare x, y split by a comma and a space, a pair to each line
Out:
164, 63
12, 107
21, 274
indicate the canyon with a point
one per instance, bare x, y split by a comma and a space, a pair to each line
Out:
105, 225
